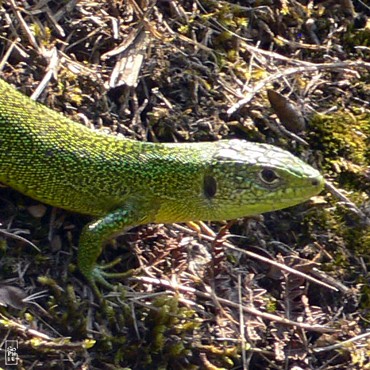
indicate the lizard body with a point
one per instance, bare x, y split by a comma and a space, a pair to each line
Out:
123, 183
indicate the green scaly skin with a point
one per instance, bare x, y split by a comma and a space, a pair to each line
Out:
124, 183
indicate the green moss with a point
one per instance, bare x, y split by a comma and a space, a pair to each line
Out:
42, 34
69, 87
341, 144
343, 134
343, 141
354, 37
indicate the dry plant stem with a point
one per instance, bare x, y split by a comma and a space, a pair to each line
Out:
258, 257
22, 329
7, 55
282, 130
335, 283
222, 301
65, 10
270, 54
15, 236
307, 67
51, 71
281, 266
241, 320
350, 205
300, 45
53, 22
342, 344
24, 26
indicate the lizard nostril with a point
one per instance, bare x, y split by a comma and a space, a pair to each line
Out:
316, 182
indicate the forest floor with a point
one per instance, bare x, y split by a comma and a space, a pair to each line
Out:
295, 74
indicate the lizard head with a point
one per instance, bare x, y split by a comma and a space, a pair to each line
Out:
247, 178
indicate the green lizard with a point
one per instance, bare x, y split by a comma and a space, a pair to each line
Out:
124, 183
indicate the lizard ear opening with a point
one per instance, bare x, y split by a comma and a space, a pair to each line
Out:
209, 186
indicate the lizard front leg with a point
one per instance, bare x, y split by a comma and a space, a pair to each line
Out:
95, 234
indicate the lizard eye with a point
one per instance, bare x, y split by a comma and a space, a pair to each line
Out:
269, 176
209, 186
